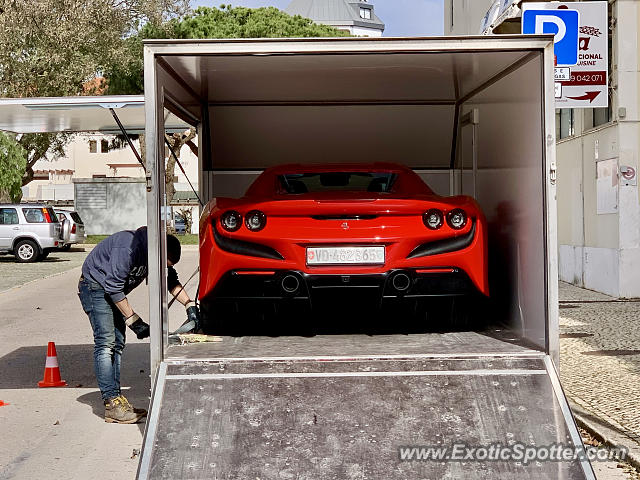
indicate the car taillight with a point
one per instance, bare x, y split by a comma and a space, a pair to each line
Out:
73, 228
47, 217
231, 220
433, 219
255, 220
457, 219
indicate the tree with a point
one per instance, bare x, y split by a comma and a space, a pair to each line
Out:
223, 22
13, 161
242, 22
59, 47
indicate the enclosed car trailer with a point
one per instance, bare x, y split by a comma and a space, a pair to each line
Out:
472, 116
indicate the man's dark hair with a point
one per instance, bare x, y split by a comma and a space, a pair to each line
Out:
173, 249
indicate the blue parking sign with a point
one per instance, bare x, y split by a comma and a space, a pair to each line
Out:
563, 23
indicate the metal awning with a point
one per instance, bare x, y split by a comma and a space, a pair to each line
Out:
78, 114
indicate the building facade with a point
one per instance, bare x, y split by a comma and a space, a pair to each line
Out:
354, 16
598, 207
90, 160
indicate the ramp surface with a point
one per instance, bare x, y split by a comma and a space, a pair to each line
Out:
341, 418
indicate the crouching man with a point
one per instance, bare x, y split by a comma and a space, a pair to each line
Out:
116, 266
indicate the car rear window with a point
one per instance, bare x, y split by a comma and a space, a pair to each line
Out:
40, 215
296, 183
52, 215
76, 218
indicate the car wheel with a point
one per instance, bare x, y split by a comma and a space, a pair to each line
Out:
26, 251
65, 247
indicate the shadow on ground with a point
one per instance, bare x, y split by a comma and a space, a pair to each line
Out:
24, 368
12, 259
137, 396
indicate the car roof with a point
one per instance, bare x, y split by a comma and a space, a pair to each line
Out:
409, 182
293, 168
25, 205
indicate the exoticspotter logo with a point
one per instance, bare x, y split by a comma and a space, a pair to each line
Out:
517, 452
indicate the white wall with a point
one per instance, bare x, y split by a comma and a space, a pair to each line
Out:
85, 164
467, 15
365, 32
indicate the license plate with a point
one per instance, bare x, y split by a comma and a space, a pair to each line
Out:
345, 255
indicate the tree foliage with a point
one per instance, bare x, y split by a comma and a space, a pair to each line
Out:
223, 22
242, 22
59, 48
13, 161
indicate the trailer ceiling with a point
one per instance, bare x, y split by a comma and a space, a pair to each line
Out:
418, 77
272, 102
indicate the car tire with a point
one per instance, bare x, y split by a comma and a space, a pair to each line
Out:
26, 251
65, 247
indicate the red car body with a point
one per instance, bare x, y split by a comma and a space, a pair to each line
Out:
245, 265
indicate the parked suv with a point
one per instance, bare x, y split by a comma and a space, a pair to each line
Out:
76, 227
30, 231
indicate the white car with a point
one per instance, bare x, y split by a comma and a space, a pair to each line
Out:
76, 227
30, 231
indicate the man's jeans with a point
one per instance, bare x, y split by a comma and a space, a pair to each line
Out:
108, 335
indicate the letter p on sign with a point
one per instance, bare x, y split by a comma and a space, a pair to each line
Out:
563, 24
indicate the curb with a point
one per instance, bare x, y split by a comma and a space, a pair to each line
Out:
606, 433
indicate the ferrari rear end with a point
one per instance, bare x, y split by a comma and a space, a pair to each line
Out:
338, 241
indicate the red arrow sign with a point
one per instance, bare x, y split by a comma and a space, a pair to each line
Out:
591, 96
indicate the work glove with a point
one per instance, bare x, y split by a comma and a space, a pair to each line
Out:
193, 323
135, 323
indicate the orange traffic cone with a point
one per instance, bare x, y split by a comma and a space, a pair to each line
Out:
51, 369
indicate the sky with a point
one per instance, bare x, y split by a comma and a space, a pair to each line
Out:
402, 18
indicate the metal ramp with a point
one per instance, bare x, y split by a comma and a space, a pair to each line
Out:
318, 417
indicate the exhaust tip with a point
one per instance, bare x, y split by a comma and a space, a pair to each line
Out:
290, 284
401, 282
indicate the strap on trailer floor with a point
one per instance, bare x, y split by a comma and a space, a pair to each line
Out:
357, 417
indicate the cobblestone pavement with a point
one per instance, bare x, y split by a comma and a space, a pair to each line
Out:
13, 274
600, 356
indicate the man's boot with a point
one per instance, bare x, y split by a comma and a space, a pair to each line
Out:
118, 411
140, 411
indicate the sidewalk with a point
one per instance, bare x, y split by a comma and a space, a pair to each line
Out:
600, 363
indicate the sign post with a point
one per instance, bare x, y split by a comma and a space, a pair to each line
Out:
581, 46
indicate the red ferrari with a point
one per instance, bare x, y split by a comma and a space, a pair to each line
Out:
337, 238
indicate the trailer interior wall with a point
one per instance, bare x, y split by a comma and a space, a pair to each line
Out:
510, 182
271, 102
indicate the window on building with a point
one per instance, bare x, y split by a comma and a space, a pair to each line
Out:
564, 123
104, 146
365, 13
93, 146
99, 175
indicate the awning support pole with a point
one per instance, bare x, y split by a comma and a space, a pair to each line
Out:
133, 148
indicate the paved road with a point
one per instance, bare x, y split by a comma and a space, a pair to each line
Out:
13, 273
60, 433
600, 356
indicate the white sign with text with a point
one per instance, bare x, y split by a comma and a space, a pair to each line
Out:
587, 84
